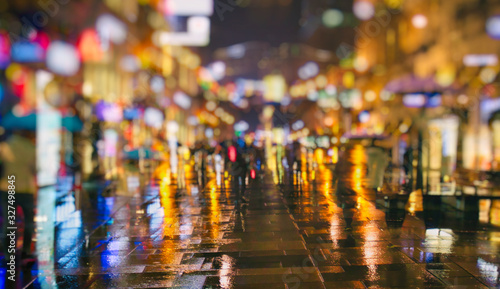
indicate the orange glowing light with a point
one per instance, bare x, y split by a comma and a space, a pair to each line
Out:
89, 46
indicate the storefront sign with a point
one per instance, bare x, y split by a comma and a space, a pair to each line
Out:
480, 60
48, 134
27, 52
187, 8
418, 100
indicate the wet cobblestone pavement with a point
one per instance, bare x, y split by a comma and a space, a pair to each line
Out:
320, 232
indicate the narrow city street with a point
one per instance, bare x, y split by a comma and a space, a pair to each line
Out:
316, 230
256, 144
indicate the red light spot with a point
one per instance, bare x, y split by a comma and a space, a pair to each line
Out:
232, 153
252, 173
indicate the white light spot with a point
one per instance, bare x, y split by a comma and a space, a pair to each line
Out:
364, 10
419, 21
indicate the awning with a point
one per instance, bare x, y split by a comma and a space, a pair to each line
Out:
414, 84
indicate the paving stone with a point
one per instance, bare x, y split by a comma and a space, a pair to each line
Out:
282, 238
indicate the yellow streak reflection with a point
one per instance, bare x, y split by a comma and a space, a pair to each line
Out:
214, 209
170, 219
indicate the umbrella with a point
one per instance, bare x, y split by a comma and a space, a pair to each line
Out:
28, 122
72, 123
366, 136
146, 154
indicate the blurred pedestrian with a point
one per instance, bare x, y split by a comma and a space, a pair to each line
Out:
296, 155
377, 161
239, 168
407, 161
19, 160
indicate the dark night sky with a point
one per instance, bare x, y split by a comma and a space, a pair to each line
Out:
276, 23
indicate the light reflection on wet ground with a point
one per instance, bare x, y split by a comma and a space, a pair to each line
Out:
324, 231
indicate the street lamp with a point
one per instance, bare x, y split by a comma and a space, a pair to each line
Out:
419, 21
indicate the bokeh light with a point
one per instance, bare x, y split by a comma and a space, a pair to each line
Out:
419, 21
493, 26
364, 10
332, 18
370, 95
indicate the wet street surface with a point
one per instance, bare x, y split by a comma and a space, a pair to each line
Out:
317, 230
203, 144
